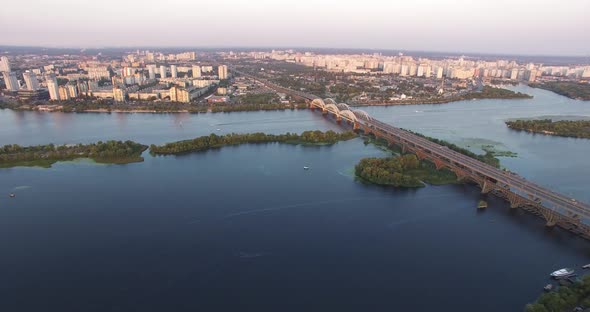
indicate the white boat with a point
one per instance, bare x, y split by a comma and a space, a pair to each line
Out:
12, 195
586, 266
562, 273
305, 168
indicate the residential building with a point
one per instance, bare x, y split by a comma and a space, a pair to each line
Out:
222, 72
31, 81
4, 64
11, 81
173, 71
196, 71
52, 86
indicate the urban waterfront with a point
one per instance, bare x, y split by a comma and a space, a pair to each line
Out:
246, 226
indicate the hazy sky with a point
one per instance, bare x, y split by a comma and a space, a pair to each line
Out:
494, 26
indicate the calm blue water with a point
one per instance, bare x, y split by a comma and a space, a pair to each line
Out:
246, 228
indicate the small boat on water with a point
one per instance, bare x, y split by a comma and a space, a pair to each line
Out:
12, 195
305, 168
562, 273
586, 266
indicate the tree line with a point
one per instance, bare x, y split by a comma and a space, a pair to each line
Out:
389, 171
214, 141
573, 90
565, 128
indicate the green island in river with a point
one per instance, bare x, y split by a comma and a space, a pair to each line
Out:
573, 90
408, 171
110, 152
402, 171
207, 142
564, 128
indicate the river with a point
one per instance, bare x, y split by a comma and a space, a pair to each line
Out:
247, 228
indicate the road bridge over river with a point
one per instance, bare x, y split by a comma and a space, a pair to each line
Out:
555, 208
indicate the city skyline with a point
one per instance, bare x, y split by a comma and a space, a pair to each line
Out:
493, 27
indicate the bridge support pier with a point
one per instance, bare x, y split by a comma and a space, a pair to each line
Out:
461, 174
550, 216
515, 200
420, 154
487, 186
439, 164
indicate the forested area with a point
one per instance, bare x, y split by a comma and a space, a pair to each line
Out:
565, 128
214, 141
45, 155
402, 171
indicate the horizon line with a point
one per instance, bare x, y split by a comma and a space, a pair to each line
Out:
466, 53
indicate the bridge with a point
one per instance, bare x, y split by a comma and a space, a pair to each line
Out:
556, 209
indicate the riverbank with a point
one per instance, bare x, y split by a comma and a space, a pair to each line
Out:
153, 107
100, 106
110, 152
572, 90
211, 141
562, 128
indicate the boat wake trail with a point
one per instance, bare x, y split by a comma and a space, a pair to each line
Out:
22, 187
308, 204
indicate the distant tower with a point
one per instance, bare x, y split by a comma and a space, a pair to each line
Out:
162, 71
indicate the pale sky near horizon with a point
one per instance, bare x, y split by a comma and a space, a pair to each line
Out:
488, 26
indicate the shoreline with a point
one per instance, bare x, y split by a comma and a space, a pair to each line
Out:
43, 108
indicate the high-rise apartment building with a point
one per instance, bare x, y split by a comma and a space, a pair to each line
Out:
222, 72
52, 86
196, 71
31, 81
10, 81
4, 64
162, 71
151, 71
64, 95
173, 71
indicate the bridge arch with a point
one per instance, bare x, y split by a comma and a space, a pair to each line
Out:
348, 115
330, 101
343, 106
332, 108
361, 114
319, 103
